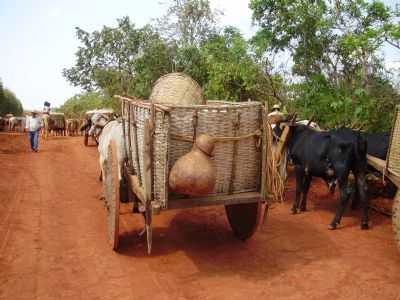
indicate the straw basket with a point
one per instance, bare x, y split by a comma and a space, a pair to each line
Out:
177, 88
237, 161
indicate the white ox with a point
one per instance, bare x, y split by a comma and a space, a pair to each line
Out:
15, 122
108, 132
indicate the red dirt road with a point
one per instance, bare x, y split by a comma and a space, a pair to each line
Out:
53, 242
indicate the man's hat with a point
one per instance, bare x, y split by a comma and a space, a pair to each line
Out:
276, 106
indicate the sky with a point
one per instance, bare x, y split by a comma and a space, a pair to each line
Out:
38, 39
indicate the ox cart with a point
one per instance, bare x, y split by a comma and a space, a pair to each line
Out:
390, 168
88, 115
156, 136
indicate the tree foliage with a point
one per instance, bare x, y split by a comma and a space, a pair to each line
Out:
336, 73
124, 59
340, 78
189, 22
9, 103
78, 105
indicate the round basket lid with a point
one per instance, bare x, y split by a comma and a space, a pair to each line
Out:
177, 88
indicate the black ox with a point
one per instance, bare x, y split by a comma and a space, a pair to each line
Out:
330, 155
378, 143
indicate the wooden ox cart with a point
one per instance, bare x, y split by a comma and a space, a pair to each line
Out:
390, 168
156, 136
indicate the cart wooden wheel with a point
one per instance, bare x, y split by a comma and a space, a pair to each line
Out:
112, 193
86, 138
396, 216
244, 218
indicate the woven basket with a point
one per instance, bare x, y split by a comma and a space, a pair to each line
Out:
177, 88
238, 163
393, 158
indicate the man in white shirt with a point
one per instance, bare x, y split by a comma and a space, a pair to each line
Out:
33, 124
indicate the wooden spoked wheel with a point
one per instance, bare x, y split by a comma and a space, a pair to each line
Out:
244, 218
396, 217
112, 195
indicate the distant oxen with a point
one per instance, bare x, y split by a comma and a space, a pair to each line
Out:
57, 124
16, 123
72, 127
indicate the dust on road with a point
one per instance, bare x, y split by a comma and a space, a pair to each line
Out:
53, 242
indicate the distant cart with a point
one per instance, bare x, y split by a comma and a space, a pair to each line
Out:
157, 136
390, 168
108, 112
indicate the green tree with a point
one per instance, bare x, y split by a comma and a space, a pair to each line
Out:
9, 103
339, 77
78, 105
123, 60
233, 73
189, 22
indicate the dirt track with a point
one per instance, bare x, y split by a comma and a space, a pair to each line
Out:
53, 242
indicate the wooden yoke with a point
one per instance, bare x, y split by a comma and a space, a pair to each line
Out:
283, 140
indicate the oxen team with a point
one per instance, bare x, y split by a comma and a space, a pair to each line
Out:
12, 123
53, 124
332, 155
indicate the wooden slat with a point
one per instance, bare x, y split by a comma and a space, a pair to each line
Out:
281, 144
380, 165
377, 163
249, 197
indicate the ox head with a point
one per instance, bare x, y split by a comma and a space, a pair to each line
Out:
98, 121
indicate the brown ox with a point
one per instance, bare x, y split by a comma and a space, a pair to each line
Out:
72, 127
57, 125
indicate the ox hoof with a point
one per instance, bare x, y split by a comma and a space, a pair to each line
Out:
332, 226
293, 211
364, 226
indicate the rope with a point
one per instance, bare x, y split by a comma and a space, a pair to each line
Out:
220, 139
274, 182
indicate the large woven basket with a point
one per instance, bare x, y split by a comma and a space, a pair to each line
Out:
238, 163
177, 88
393, 157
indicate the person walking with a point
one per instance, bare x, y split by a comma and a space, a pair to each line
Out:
33, 124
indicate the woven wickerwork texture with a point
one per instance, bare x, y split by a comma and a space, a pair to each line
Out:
235, 173
177, 88
396, 217
393, 162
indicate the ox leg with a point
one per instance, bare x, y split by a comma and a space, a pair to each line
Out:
101, 163
344, 198
361, 186
355, 201
306, 187
299, 187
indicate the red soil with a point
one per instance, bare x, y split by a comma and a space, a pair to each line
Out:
53, 242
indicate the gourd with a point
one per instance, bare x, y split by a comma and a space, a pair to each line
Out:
194, 174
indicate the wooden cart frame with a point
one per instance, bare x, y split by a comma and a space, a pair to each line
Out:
244, 208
